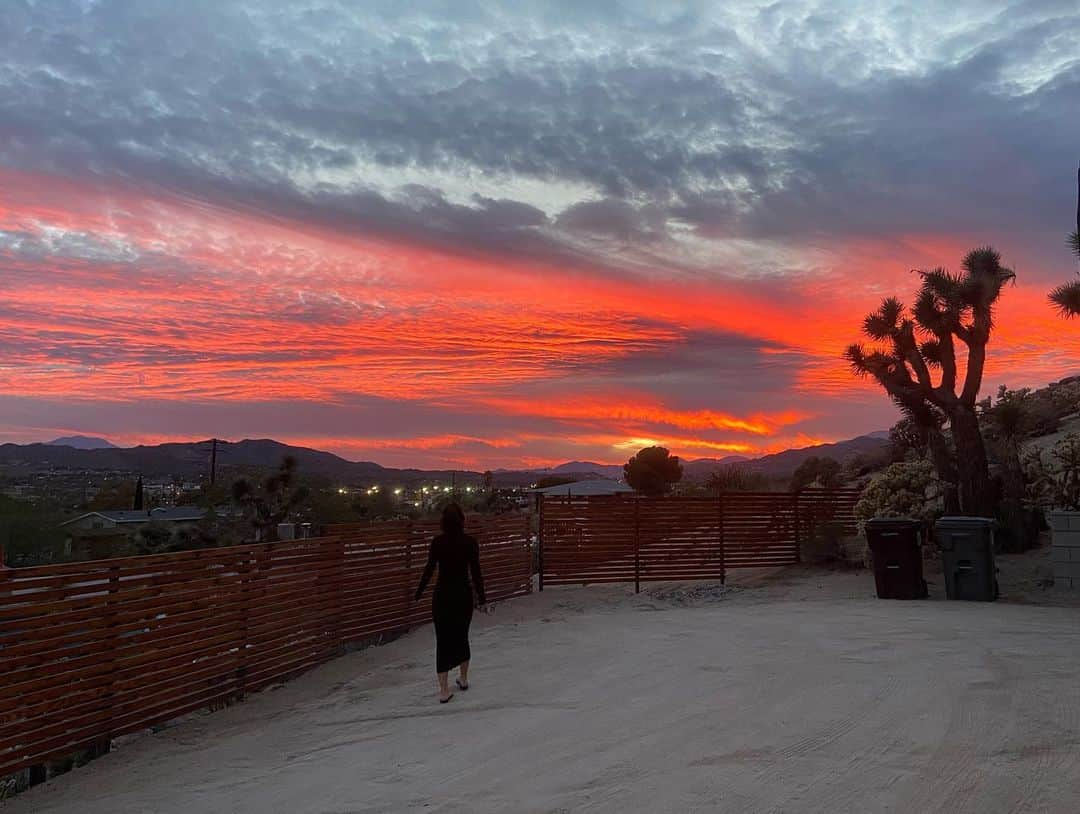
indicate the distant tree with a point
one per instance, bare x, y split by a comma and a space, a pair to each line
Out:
270, 502
822, 471
489, 482
113, 495
653, 471
1067, 295
950, 310
154, 537
736, 478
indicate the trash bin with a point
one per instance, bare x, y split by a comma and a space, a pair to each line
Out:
967, 557
896, 544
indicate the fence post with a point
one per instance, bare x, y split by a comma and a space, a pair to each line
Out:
247, 585
798, 538
408, 567
540, 541
6, 575
637, 545
339, 593
110, 616
528, 553
720, 534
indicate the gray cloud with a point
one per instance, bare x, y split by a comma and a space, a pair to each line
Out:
599, 134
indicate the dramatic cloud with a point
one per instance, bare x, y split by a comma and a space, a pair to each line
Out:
483, 233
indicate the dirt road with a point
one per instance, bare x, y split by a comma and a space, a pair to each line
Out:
798, 695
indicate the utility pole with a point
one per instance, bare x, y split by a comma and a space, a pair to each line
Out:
213, 460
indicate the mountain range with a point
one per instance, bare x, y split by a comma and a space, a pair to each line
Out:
192, 461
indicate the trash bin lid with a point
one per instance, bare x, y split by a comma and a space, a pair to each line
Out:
892, 523
965, 522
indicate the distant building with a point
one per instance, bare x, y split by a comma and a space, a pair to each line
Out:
599, 486
105, 533
132, 519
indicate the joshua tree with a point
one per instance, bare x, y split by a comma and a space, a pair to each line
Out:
950, 310
1067, 295
272, 501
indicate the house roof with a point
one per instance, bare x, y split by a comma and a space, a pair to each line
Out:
173, 514
596, 486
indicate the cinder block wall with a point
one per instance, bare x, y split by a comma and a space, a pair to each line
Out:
1065, 529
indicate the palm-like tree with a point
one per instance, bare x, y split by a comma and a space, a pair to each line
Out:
918, 346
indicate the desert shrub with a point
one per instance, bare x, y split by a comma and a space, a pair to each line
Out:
816, 471
735, 478
903, 489
829, 544
1055, 483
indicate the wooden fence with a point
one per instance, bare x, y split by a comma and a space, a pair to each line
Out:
93, 650
630, 539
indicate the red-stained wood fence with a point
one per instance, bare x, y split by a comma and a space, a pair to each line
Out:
617, 538
93, 650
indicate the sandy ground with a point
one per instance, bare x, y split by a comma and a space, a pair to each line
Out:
796, 692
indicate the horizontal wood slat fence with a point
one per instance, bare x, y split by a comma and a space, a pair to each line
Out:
93, 650
616, 538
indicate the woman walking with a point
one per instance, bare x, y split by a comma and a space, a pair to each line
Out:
457, 555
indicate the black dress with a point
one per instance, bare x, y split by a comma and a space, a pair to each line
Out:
456, 556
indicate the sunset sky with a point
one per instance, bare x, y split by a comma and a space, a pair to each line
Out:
482, 234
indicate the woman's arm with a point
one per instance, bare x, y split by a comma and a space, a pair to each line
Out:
429, 570
477, 577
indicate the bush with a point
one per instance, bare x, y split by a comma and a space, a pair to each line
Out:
1056, 485
904, 489
735, 478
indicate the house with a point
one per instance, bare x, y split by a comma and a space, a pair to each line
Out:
131, 519
107, 533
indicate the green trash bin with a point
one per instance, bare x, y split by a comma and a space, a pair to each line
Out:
967, 557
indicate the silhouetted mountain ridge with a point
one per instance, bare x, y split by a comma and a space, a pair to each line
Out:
191, 460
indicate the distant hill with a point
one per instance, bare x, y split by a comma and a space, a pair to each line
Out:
81, 442
586, 468
783, 464
191, 460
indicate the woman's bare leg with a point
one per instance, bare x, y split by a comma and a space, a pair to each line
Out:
463, 673
444, 686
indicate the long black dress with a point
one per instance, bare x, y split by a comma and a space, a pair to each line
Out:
452, 603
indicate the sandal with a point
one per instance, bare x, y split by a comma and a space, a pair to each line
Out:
461, 686
447, 699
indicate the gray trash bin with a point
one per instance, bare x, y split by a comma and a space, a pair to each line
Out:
967, 557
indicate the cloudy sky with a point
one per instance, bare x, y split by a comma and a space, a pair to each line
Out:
490, 234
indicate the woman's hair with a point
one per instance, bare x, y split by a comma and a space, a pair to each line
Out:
453, 519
